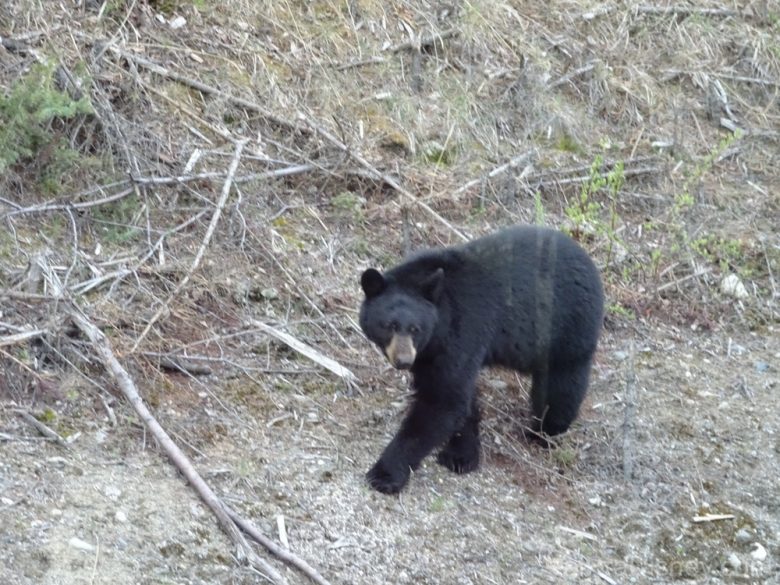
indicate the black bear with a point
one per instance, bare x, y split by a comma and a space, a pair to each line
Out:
525, 297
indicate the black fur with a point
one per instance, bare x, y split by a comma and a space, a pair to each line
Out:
526, 298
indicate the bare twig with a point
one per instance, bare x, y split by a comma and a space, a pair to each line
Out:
207, 89
204, 244
679, 281
712, 518
514, 163
307, 351
629, 416
182, 364
65, 206
686, 11
672, 73
276, 550
20, 337
378, 175
571, 75
664, 10
531, 180
424, 41
285, 172
42, 428
26, 296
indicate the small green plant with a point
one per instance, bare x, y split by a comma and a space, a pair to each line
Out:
564, 456
723, 251
538, 209
587, 211
684, 199
350, 204
620, 311
28, 116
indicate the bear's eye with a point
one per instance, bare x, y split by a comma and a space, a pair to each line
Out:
394, 326
413, 329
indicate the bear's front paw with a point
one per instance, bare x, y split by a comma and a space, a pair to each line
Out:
460, 459
388, 479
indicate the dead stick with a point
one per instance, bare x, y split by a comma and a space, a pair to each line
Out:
19, 337
322, 131
42, 428
629, 417
516, 161
179, 459
276, 550
207, 89
424, 41
306, 350
204, 244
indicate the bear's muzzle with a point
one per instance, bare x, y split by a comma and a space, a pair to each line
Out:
400, 351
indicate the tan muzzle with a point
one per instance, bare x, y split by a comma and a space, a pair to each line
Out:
400, 351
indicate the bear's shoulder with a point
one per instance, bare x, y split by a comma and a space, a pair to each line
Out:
418, 266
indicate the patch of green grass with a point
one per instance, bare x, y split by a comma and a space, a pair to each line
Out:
567, 143
117, 219
620, 311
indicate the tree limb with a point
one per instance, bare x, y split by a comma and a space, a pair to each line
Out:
179, 459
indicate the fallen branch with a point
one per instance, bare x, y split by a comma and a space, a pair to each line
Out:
378, 175
20, 337
712, 518
571, 75
225, 516
629, 417
42, 428
672, 73
686, 11
207, 89
306, 350
285, 172
537, 180
514, 163
276, 550
664, 11
423, 41
204, 244
65, 206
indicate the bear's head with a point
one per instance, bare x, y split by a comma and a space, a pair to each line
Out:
400, 318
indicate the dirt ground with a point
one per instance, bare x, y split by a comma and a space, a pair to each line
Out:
486, 114
705, 440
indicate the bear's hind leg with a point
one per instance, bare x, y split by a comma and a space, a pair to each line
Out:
556, 396
462, 452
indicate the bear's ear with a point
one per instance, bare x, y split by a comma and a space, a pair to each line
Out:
373, 282
433, 286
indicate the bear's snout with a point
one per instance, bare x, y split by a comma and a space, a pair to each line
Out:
400, 351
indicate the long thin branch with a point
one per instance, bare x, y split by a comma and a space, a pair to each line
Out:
374, 172
306, 350
182, 462
276, 550
515, 162
204, 244
284, 172
42, 428
19, 337
66, 206
207, 89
